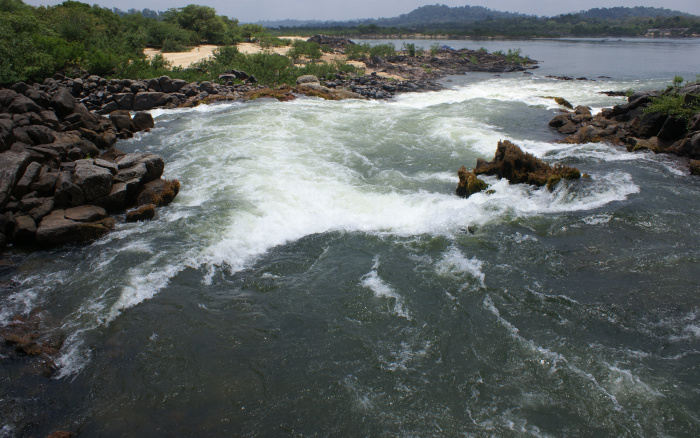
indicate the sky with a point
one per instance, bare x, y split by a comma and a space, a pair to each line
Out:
255, 10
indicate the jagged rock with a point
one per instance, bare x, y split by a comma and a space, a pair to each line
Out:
469, 183
6, 135
49, 118
13, 165
63, 102
517, 167
587, 134
650, 125
94, 181
22, 104
143, 213
55, 229
124, 101
673, 129
116, 200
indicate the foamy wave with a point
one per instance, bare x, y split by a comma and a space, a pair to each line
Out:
381, 289
454, 263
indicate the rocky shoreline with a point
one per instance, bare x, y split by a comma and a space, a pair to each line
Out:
638, 126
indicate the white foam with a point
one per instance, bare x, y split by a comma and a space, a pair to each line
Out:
381, 289
454, 263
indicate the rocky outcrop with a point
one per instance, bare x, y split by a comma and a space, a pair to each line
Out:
469, 183
518, 167
332, 42
637, 126
56, 187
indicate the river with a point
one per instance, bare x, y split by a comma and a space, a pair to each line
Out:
318, 277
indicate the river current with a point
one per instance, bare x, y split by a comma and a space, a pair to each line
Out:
317, 276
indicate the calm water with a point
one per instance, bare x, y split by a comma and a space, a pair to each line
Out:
317, 277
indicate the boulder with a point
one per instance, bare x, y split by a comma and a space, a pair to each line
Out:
63, 102
24, 231
124, 101
22, 104
159, 192
143, 121
30, 175
6, 135
143, 213
67, 194
517, 167
85, 213
469, 183
649, 125
94, 181
307, 79
116, 200
56, 229
49, 118
673, 129
149, 100
695, 167
122, 121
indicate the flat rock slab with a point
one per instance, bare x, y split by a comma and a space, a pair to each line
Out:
85, 213
56, 229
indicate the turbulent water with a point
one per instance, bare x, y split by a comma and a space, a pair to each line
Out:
317, 276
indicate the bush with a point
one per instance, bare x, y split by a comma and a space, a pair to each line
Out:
383, 50
305, 48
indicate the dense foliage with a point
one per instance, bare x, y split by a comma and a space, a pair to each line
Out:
73, 37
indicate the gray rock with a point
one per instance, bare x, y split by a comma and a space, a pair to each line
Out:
67, 194
6, 135
63, 102
30, 175
307, 79
94, 181
41, 211
55, 229
149, 100
49, 118
22, 104
133, 173
113, 168
46, 182
122, 121
116, 200
128, 160
124, 100
85, 213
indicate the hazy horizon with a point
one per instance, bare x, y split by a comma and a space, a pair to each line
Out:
323, 10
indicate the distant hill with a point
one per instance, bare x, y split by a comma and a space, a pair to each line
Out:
438, 14
621, 13
432, 16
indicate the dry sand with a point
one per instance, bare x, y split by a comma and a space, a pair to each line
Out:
185, 59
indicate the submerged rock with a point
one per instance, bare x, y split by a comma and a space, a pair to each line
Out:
511, 163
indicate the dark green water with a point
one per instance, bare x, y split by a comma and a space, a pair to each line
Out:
317, 277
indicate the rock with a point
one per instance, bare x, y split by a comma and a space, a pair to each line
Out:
587, 134
22, 104
55, 229
67, 194
41, 211
85, 213
560, 120
6, 135
113, 168
30, 175
24, 231
122, 121
94, 181
145, 212
159, 192
583, 110
63, 102
639, 144
695, 146
49, 118
307, 79
650, 125
124, 101
143, 121
14, 163
116, 200
207, 87
695, 167
517, 167
469, 183
148, 100
61, 434
40, 134
673, 129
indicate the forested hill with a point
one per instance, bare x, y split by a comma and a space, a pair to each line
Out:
621, 13
437, 14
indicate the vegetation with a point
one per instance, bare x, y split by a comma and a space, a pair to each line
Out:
672, 103
476, 21
73, 37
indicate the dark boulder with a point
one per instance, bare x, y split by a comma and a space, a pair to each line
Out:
149, 100
650, 124
63, 102
24, 230
22, 104
695, 167
673, 129
94, 181
143, 121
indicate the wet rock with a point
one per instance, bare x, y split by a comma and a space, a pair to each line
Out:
143, 213
650, 124
24, 230
122, 120
85, 213
159, 192
56, 229
469, 183
695, 167
149, 100
511, 163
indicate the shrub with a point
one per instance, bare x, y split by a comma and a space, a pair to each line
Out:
383, 50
